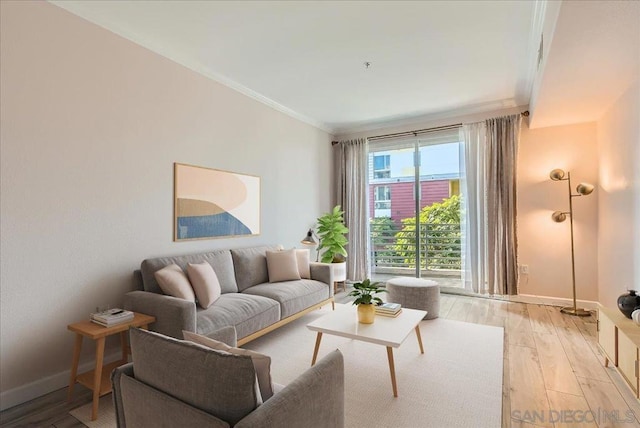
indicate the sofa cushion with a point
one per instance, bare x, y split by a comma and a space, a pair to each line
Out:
282, 265
204, 282
293, 296
216, 382
250, 265
220, 261
246, 313
261, 362
304, 266
174, 282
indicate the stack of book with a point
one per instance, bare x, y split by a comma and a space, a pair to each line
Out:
112, 317
389, 309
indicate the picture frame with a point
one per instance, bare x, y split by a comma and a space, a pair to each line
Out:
212, 203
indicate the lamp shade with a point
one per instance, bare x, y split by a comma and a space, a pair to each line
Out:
556, 174
559, 216
584, 188
308, 240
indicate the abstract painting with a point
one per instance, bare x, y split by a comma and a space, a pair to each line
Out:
211, 203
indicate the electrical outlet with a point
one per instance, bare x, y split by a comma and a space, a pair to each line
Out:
524, 269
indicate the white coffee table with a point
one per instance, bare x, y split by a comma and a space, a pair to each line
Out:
385, 331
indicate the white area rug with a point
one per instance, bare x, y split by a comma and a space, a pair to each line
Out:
106, 414
457, 382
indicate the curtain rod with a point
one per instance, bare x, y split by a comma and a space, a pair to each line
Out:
419, 131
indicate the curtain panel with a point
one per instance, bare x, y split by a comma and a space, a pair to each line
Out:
489, 154
503, 135
350, 160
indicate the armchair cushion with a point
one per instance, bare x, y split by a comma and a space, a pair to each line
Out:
218, 383
261, 362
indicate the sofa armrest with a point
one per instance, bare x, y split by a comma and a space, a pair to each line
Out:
322, 272
116, 375
140, 405
314, 400
172, 314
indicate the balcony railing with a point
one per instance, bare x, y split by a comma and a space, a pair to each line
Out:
394, 246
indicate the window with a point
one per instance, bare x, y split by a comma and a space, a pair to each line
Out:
381, 166
382, 198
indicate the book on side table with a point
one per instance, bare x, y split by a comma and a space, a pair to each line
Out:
389, 309
112, 317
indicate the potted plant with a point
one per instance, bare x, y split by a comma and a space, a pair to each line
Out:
365, 292
331, 234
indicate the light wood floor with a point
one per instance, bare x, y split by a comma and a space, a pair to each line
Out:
552, 370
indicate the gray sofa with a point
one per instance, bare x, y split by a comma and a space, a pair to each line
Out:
248, 302
174, 383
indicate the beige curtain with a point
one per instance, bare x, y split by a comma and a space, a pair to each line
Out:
350, 160
502, 138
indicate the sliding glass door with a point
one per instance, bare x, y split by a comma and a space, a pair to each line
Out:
414, 208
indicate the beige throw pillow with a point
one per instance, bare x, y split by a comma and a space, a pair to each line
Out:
302, 257
204, 282
282, 266
261, 362
174, 282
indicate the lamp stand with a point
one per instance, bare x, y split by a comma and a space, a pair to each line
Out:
573, 310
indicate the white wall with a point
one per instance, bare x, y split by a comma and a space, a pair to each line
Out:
545, 246
619, 210
91, 125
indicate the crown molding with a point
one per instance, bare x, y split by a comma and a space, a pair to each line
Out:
491, 106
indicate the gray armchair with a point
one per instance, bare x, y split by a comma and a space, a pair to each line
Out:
176, 383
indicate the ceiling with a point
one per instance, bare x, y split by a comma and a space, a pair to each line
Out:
307, 58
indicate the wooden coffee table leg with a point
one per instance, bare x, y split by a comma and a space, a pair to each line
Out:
74, 365
315, 351
97, 377
392, 370
419, 339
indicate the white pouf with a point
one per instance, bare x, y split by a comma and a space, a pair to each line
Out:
415, 293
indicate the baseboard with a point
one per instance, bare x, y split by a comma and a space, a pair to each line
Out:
526, 298
40, 387
552, 301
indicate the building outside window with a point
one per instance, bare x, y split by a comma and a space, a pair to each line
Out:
382, 201
382, 166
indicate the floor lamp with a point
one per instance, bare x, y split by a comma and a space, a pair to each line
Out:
582, 189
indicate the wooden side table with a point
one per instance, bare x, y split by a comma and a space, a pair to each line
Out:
98, 380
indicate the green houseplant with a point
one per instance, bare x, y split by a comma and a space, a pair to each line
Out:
331, 234
365, 292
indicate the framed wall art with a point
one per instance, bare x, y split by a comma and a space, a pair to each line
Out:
210, 203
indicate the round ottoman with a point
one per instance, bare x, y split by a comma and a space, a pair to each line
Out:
415, 293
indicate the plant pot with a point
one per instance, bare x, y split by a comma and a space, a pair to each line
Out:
339, 271
366, 313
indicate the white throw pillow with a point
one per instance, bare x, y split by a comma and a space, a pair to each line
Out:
205, 283
302, 257
174, 282
261, 362
282, 266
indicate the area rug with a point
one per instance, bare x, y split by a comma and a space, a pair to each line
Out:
106, 414
457, 382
